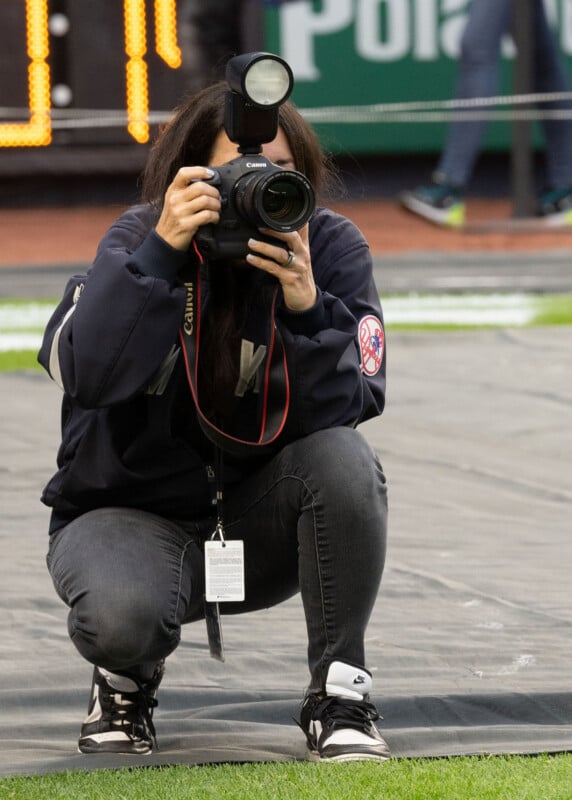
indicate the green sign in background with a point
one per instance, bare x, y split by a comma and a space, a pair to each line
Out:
362, 52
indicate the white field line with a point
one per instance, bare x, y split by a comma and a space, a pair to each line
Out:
462, 309
19, 341
24, 317
21, 326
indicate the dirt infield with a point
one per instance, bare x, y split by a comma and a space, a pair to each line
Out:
62, 236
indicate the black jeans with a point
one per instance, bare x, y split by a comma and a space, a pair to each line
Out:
313, 520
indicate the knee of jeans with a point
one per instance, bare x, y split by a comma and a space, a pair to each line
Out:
118, 637
342, 460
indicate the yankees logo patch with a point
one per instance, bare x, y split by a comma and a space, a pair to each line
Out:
371, 344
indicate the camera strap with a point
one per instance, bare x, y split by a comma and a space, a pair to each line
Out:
275, 386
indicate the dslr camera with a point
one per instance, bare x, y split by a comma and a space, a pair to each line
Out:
255, 193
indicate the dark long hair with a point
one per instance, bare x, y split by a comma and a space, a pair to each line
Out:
188, 140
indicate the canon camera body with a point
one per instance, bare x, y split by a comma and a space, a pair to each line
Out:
255, 194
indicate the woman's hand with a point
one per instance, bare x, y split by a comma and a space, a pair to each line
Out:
292, 267
189, 204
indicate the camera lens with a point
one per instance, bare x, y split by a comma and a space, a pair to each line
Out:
281, 201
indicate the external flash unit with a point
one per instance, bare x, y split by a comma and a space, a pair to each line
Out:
259, 84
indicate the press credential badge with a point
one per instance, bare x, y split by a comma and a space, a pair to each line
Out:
224, 571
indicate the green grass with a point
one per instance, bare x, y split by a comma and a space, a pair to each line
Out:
557, 312
490, 778
18, 360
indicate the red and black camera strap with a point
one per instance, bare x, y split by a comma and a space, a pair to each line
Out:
275, 388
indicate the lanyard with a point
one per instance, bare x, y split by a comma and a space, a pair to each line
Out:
224, 570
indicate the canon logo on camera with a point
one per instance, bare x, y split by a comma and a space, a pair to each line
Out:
251, 164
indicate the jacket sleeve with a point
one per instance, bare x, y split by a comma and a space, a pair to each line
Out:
116, 325
336, 350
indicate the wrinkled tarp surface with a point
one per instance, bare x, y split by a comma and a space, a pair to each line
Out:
470, 642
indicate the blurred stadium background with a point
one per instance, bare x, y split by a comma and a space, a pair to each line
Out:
84, 86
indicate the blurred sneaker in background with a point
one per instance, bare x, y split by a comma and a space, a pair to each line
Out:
439, 203
555, 207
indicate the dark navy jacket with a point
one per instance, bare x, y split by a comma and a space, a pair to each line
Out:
130, 434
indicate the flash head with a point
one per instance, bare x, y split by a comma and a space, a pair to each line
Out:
263, 79
258, 85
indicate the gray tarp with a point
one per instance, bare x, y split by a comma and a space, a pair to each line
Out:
470, 642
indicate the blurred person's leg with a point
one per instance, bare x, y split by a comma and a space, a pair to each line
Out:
441, 201
252, 26
214, 31
210, 35
478, 76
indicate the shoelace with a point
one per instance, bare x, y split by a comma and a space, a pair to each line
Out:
346, 713
133, 706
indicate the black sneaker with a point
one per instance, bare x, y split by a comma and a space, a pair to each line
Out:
555, 207
339, 723
120, 714
439, 203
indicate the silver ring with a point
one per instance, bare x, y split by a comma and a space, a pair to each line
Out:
291, 257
